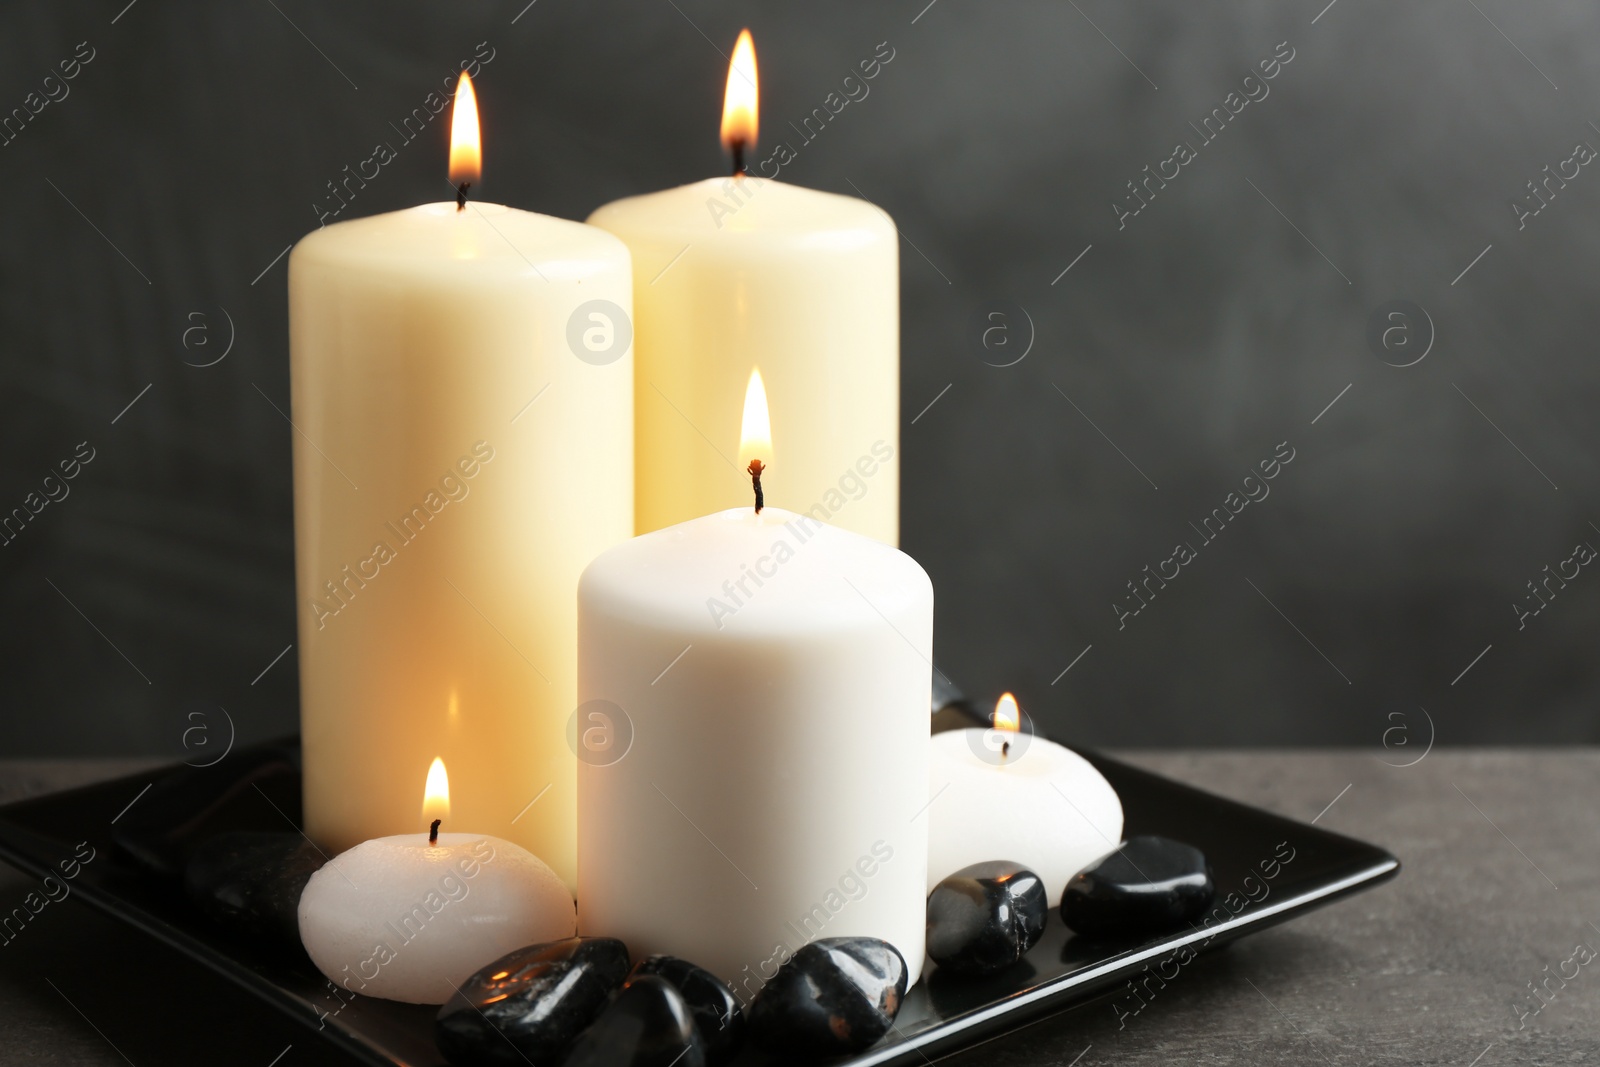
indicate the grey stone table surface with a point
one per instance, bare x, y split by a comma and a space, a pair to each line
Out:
1500, 894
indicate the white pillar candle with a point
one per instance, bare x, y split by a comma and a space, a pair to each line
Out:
410, 917
457, 462
735, 269
772, 677
1037, 804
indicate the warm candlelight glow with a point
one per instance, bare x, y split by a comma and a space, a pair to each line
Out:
466, 150
436, 794
741, 108
1006, 715
755, 432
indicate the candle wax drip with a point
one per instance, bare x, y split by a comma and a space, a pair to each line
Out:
461, 195
755, 469
433, 832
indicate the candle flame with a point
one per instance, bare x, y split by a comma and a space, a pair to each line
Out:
1006, 714
741, 101
755, 432
436, 794
466, 147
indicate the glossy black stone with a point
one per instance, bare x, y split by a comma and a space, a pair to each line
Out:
1149, 885
250, 883
985, 917
530, 1004
717, 1014
836, 995
648, 1024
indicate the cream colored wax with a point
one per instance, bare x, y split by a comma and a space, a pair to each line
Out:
456, 466
738, 271
760, 685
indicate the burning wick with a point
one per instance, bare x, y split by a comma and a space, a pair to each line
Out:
466, 142
433, 832
741, 103
755, 469
1007, 717
755, 433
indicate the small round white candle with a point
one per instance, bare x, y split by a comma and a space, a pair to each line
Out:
1037, 804
409, 917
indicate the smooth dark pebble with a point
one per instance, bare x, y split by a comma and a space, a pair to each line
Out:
836, 995
530, 1004
648, 1024
1148, 885
717, 1014
985, 917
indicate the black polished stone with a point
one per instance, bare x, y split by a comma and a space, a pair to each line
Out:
530, 1004
648, 1024
1147, 886
717, 1014
250, 883
836, 995
985, 917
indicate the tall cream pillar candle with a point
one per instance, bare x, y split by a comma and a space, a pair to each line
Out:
736, 270
462, 407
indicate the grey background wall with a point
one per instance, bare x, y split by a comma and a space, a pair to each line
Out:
1371, 591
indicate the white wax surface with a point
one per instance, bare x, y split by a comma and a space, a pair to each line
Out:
779, 754
1044, 807
401, 919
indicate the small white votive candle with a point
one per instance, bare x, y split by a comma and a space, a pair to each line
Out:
1000, 794
410, 917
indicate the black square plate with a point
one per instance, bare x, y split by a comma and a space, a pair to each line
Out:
1267, 869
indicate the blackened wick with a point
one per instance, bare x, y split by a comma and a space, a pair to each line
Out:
755, 469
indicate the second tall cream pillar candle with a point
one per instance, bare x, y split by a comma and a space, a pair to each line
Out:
734, 273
